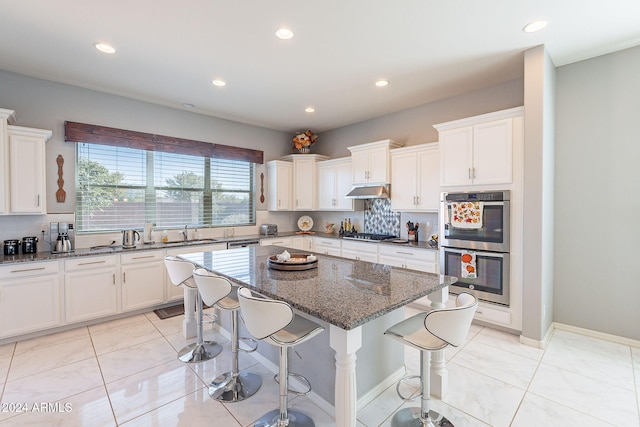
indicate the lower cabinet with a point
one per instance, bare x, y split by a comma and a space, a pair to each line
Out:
303, 243
413, 259
142, 279
91, 288
327, 246
29, 298
360, 251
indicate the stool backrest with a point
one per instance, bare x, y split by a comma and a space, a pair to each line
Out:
179, 270
212, 288
452, 324
263, 316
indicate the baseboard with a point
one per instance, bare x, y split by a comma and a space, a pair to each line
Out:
595, 334
369, 396
541, 344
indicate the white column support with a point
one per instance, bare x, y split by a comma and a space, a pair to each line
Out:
345, 343
439, 373
189, 325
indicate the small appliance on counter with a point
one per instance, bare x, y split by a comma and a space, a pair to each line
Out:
62, 237
11, 247
267, 229
129, 238
29, 245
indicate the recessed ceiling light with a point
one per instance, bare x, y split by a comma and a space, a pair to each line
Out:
188, 105
309, 109
104, 47
382, 83
284, 33
534, 26
218, 82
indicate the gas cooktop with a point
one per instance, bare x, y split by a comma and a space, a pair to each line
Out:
371, 237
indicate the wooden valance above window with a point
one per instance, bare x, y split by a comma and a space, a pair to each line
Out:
81, 132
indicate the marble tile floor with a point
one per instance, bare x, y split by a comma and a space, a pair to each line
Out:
125, 373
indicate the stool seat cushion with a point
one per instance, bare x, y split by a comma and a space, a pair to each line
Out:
230, 302
299, 330
411, 331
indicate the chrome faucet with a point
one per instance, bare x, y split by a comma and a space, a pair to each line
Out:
185, 233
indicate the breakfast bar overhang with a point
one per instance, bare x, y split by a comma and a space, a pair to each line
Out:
347, 294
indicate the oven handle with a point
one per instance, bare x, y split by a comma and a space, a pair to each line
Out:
481, 253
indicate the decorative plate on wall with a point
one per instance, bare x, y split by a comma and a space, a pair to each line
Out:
305, 223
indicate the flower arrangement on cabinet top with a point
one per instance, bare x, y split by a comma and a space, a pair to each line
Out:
304, 140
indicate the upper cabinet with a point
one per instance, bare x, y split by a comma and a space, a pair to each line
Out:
305, 180
415, 178
280, 185
370, 162
479, 150
334, 182
23, 167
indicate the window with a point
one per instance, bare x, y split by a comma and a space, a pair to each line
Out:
119, 188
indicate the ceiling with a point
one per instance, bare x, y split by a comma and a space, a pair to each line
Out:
168, 52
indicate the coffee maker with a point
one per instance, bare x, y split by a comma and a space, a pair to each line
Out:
62, 237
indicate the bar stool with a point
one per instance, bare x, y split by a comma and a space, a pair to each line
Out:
276, 323
431, 331
181, 274
235, 385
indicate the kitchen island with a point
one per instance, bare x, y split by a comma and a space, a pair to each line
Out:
346, 294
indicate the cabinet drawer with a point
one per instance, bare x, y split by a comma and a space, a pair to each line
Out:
408, 253
25, 269
493, 315
331, 243
138, 257
85, 263
370, 248
280, 241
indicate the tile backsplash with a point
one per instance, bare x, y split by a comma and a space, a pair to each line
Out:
379, 218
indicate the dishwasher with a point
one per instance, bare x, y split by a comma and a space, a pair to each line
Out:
243, 243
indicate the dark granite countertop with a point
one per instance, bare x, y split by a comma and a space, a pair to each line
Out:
115, 249
342, 292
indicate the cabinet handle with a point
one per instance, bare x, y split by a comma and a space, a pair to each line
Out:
469, 173
474, 173
92, 262
27, 269
38, 200
417, 200
405, 253
114, 279
143, 257
124, 277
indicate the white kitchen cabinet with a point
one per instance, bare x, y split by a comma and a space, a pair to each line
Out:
334, 182
280, 195
27, 170
327, 246
303, 243
5, 116
277, 241
479, 150
29, 297
415, 178
143, 281
411, 258
176, 293
91, 287
370, 163
305, 180
361, 251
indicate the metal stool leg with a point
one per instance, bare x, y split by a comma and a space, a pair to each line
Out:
283, 416
421, 417
201, 350
235, 385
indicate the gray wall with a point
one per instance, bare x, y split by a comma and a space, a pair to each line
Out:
597, 234
47, 105
539, 104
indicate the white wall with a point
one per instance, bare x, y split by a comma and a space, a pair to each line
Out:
597, 233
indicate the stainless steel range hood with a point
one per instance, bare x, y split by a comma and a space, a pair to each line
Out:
373, 192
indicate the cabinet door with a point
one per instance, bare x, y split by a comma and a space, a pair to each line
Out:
142, 285
343, 186
359, 166
403, 181
304, 184
27, 165
29, 304
90, 294
428, 188
280, 186
378, 165
456, 151
492, 152
327, 187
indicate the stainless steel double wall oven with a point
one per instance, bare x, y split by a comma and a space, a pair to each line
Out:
488, 243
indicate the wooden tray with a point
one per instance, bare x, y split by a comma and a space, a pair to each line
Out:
303, 264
